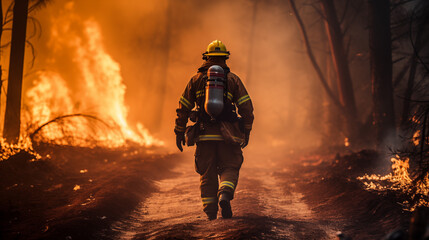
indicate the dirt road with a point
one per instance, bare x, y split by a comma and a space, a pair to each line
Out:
263, 208
138, 194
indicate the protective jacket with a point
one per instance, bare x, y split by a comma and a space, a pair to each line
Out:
216, 160
236, 97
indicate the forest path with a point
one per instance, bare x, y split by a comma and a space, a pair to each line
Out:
262, 209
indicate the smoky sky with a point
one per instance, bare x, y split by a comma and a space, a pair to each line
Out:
158, 45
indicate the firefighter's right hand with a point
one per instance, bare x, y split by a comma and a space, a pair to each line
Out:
180, 139
246, 140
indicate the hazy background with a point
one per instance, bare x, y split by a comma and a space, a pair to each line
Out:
158, 45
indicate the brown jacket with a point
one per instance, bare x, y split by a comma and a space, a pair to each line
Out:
194, 94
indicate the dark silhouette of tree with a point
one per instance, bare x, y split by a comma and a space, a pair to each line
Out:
380, 49
12, 121
345, 101
341, 65
420, 18
312, 57
1, 33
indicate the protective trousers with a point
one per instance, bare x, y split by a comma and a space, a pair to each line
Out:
215, 159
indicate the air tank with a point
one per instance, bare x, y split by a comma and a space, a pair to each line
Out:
215, 87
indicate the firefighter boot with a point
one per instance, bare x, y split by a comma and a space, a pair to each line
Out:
211, 211
210, 207
224, 203
211, 216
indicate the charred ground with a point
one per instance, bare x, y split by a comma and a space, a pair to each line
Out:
122, 194
75, 191
330, 187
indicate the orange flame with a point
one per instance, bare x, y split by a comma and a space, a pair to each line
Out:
416, 138
346, 142
101, 87
8, 150
399, 180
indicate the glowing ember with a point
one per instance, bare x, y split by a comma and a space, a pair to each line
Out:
346, 142
415, 119
76, 187
100, 89
399, 180
8, 150
416, 138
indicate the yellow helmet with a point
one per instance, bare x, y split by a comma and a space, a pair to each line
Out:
216, 48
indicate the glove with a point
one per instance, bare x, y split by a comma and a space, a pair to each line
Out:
246, 140
180, 139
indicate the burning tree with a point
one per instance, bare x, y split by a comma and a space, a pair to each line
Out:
12, 123
410, 165
52, 115
409, 178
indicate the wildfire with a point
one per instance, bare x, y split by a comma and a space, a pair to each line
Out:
99, 89
8, 150
399, 180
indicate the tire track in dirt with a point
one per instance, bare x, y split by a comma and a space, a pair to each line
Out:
262, 210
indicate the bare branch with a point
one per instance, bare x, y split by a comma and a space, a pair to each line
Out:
349, 42
36, 26
356, 13
318, 11
37, 5
422, 81
398, 60
58, 119
399, 36
346, 7
416, 51
5, 45
400, 75
310, 54
33, 53
400, 3
317, 21
9, 13
413, 100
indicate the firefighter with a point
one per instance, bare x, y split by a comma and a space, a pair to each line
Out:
212, 99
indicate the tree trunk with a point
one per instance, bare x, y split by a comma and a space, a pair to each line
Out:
380, 50
341, 66
335, 125
1, 33
312, 58
413, 69
16, 66
317, 115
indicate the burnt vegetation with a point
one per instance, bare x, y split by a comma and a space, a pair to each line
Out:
369, 103
398, 71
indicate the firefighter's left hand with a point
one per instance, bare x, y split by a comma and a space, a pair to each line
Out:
180, 139
246, 140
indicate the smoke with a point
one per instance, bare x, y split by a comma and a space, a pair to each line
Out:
157, 47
